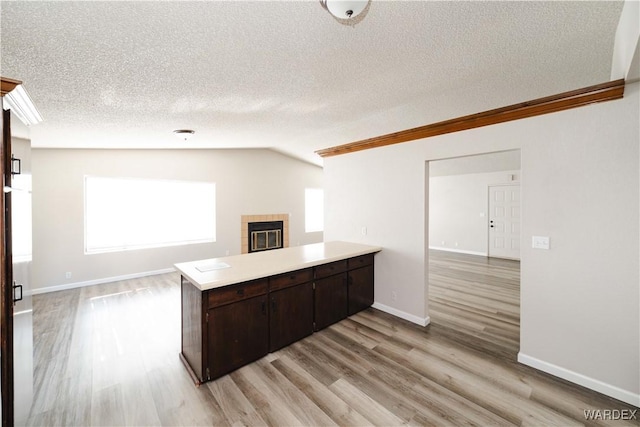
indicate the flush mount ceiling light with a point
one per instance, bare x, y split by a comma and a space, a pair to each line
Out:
347, 12
183, 134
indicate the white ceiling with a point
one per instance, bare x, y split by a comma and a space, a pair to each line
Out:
284, 74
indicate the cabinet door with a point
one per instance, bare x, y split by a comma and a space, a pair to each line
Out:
360, 289
237, 334
291, 315
330, 300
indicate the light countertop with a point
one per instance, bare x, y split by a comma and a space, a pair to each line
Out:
217, 272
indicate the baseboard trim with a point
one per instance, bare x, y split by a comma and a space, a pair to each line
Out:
402, 314
458, 251
74, 285
583, 380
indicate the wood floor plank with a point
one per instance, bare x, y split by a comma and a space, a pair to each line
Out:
320, 371
476, 295
500, 375
133, 391
235, 407
303, 408
106, 407
364, 379
352, 330
489, 395
108, 355
338, 410
273, 410
433, 404
376, 414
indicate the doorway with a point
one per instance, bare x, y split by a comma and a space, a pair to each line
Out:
473, 288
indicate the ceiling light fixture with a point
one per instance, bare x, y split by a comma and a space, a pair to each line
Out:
20, 103
347, 12
184, 134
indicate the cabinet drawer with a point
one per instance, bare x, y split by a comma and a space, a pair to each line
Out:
360, 261
290, 279
331, 268
239, 292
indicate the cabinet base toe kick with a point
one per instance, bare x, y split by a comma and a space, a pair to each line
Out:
231, 326
197, 381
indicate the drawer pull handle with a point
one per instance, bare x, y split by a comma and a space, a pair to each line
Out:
292, 277
240, 292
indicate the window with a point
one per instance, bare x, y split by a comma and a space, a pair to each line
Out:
21, 217
313, 209
126, 213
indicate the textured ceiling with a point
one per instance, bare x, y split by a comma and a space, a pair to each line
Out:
284, 74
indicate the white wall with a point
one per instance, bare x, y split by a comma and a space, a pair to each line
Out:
626, 44
481, 163
459, 210
247, 182
580, 311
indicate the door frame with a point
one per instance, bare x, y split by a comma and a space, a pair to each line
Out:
6, 278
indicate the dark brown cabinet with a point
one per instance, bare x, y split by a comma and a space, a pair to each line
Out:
330, 301
227, 327
290, 307
236, 322
291, 315
237, 334
360, 282
360, 289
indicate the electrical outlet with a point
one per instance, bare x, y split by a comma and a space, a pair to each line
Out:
67, 275
364, 231
394, 295
227, 252
540, 242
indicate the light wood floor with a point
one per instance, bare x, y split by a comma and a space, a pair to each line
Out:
479, 296
108, 355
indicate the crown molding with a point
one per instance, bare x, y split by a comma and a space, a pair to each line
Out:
16, 99
7, 85
576, 98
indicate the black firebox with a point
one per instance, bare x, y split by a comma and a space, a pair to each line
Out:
265, 235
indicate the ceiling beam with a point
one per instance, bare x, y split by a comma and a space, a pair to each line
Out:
576, 98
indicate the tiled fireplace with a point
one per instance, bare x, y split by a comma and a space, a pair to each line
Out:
264, 232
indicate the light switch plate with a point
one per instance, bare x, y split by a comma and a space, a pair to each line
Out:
540, 242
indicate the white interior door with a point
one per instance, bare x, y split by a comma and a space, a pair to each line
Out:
504, 221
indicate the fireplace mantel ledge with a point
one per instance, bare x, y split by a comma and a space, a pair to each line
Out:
256, 265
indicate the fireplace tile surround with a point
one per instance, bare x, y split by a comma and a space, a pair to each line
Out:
244, 228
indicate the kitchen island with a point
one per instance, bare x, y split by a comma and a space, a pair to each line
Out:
237, 309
